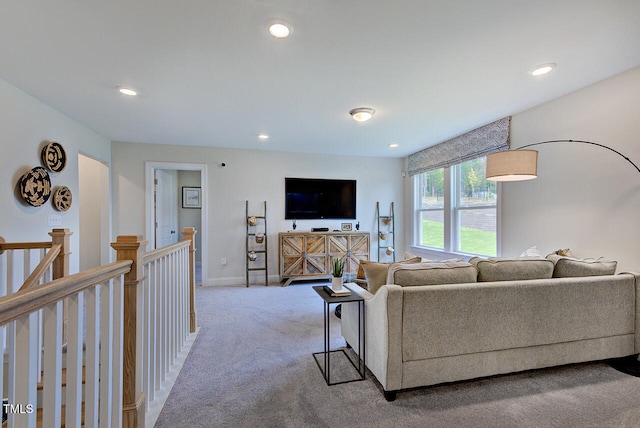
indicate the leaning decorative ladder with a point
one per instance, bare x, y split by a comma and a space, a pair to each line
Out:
105, 341
256, 258
386, 228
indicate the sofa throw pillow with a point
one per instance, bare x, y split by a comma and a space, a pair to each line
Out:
431, 273
564, 252
532, 252
567, 267
376, 273
512, 269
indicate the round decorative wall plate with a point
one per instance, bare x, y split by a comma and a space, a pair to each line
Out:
54, 157
35, 186
62, 198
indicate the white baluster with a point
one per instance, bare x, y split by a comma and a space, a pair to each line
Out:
73, 392
92, 356
106, 354
52, 361
26, 366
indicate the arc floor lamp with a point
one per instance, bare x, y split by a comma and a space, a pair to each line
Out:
522, 163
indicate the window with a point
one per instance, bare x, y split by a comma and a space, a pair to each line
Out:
431, 208
456, 209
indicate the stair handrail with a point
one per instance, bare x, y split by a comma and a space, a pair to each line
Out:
24, 302
59, 265
5, 246
38, 273
164, 251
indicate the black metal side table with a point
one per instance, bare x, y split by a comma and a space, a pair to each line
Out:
360, 366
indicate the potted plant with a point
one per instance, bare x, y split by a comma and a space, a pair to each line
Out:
337, 270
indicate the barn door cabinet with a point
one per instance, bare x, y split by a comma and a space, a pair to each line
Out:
307, 255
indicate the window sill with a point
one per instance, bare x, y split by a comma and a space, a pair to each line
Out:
437, 255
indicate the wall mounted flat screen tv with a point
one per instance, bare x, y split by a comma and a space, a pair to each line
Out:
316, 198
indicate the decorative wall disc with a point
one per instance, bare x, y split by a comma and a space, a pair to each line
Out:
35, 186
62, 198
54, 157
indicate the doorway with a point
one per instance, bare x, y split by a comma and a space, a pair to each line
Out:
164, 209
95, 212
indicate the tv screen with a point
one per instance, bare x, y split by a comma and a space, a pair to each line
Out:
316, 198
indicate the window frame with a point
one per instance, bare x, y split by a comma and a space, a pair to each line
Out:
451, 211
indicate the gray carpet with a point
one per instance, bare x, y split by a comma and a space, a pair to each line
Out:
252, 366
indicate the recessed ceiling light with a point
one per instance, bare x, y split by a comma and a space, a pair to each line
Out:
280, 29
362, 114
393, 145
263, 136
127, 91
543, 69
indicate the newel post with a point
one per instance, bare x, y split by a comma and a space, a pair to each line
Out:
131, 247
189, 234
60, 265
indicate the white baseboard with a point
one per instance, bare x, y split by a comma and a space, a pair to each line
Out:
240, 280
155, 407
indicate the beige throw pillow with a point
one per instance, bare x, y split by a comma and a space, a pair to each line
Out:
568, 267
515, 269
432, 273
376, 273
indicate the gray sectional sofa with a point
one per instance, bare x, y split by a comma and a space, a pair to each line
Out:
419, 335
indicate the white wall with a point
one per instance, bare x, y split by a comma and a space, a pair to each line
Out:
255, 176
27, 124
585, 198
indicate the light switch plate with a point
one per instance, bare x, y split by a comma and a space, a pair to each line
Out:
55, 220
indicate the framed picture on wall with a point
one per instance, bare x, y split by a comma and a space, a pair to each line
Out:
191, 197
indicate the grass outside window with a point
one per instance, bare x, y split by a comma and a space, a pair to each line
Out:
474, 241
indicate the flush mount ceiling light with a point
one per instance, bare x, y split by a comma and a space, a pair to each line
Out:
279, 29
127, 91
393, 145
263, 137
543, 69
362, 114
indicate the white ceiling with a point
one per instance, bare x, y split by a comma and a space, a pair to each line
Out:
209, 74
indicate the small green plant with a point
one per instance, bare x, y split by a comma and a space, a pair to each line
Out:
338, 266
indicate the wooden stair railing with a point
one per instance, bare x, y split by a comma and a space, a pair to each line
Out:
42, 268
60, 238
159, 316
140, 310
100, 290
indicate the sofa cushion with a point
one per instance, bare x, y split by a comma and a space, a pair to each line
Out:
565, 267
376, 273
431, 273
512, 269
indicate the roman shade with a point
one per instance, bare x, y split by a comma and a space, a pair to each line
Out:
482, 141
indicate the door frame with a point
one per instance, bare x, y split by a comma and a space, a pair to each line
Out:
150, 168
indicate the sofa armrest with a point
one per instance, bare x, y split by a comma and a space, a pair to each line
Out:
383, 313
358, 290
636, 276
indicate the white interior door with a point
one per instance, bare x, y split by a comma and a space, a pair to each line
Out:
166, 209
